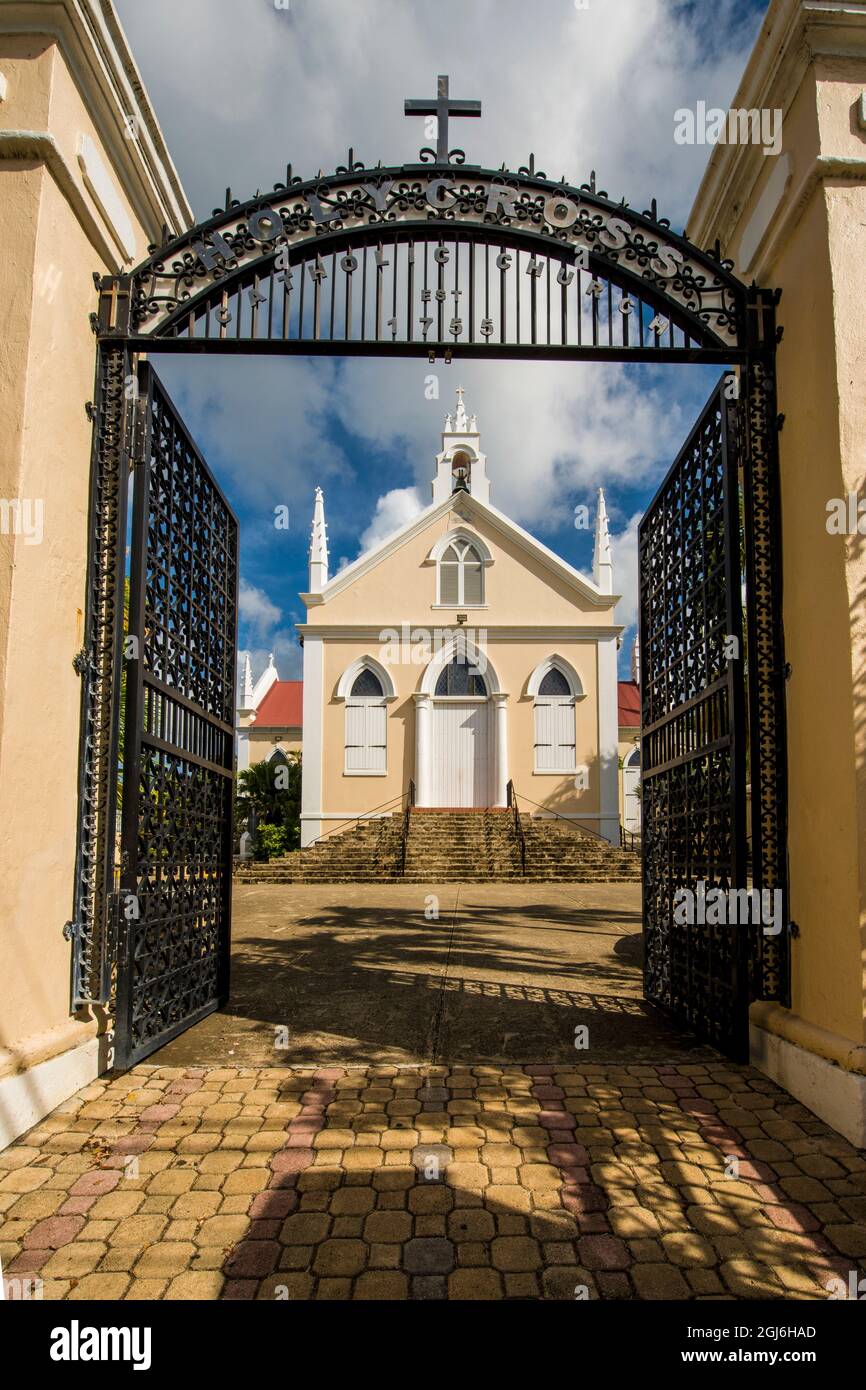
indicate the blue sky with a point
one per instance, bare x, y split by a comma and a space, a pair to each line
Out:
240, 90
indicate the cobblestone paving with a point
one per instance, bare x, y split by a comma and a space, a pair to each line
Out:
255, 1183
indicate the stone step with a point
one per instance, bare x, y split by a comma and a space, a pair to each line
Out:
451, 846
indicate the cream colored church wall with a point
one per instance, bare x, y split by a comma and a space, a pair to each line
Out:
54, 237
262, 742
513, 662
520, 590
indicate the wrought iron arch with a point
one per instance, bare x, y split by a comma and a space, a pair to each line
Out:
437, 259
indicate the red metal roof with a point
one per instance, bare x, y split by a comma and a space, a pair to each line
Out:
282, 707
629, 704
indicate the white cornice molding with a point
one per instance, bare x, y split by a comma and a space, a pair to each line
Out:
781, 227
507, 633
39, 145
793, 35
99, 58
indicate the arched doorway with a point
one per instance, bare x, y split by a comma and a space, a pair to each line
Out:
461, 734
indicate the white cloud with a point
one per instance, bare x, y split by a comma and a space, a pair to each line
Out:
393, 510
286, 651
625, 571
584, 89
256, 609
552, 432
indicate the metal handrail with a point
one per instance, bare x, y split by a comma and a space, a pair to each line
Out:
404, 840
627, 840
572, 824
511, 796
356, 820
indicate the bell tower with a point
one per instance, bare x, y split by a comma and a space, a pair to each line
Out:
461, 466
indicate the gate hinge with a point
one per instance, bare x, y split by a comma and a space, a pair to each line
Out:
137, 451
780, 423
90, 411
71, 931
79, 662
793, 930
787, 670
119, 937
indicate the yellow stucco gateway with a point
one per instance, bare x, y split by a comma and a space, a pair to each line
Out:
458, 656
499, 665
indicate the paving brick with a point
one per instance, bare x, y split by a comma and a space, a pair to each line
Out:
381, 1284
340, 1257
428, 1256
612, 1183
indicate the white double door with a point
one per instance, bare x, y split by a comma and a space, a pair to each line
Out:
461, 754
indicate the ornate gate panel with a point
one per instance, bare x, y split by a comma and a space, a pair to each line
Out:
178, 737
694, 734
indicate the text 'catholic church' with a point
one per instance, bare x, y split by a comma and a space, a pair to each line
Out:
454, 658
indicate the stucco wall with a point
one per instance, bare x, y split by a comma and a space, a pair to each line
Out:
513, 663
520, 589
262, 742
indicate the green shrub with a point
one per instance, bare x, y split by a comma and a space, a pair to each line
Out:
273, 840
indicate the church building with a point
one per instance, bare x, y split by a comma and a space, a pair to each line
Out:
458, 656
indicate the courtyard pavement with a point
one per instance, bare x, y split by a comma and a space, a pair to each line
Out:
576, 1174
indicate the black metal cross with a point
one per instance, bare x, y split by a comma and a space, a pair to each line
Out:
442, 107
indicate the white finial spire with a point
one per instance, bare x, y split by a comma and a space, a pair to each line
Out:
635, 661
247, 693
602, 564
318, 546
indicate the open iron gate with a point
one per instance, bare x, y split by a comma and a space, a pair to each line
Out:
693, 764
177, 737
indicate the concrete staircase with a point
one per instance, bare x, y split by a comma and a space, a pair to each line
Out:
558, 853
369, 852
462, 847
452, 846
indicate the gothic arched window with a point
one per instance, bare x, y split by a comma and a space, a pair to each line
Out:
461, 575
367, 686
461, 677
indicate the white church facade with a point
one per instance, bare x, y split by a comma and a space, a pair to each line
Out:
457, 657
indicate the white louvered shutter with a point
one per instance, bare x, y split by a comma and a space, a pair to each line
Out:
366, 736
563, 724
544, 738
